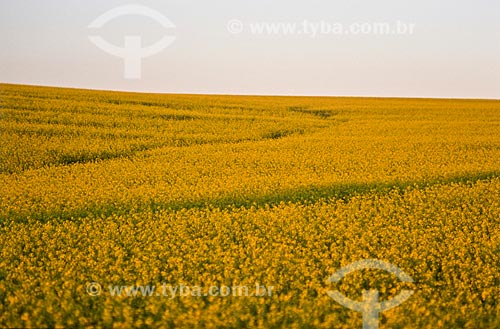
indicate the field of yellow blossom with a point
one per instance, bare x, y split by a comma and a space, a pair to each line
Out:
104, 189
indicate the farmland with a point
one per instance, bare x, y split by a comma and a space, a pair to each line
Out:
145, 189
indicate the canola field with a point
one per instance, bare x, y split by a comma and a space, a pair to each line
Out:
104, 189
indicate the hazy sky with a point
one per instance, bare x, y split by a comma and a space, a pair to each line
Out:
454, 50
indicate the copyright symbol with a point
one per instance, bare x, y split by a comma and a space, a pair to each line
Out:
94, 289
235, 26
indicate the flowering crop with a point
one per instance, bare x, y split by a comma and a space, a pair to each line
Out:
144, 189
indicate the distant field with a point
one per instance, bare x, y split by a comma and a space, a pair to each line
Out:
145, 189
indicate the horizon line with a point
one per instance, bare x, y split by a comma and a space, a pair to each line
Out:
242, 94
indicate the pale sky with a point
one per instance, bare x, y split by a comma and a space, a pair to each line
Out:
454, 50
